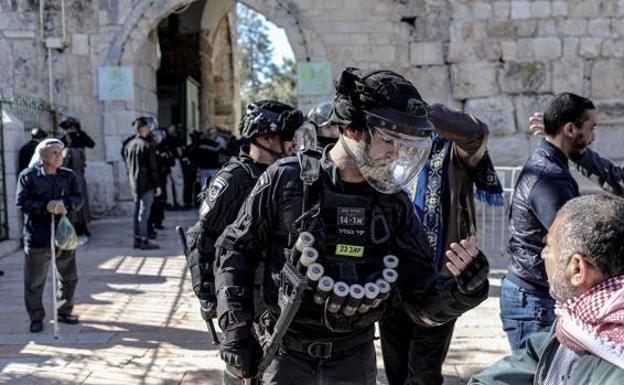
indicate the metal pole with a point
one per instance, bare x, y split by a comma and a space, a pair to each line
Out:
50, 80
54, 283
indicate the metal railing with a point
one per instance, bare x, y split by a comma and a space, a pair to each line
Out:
492, 231
33, 113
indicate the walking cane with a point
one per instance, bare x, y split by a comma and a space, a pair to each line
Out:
54, 283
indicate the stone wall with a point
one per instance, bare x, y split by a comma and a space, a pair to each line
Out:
498, 59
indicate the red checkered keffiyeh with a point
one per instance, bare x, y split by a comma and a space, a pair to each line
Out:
594, 321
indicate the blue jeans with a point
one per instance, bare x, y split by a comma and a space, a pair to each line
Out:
142, 208
524, 312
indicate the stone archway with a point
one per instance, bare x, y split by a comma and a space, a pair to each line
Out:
136, 46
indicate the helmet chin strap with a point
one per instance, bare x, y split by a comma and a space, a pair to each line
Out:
275, 154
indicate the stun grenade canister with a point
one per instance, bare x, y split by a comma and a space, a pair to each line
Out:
391, 261
384, 291
304, 240
308, 256
353, 301
371, 292
390, 276
323, 289
337, 296
314, 273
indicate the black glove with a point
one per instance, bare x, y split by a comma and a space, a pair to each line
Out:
241, 352
475, 275
208, 307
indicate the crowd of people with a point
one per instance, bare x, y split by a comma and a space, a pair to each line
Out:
314, 228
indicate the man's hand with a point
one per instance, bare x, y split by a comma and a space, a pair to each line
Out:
157, 192
461, 254
467, 264
56, 207
536, 124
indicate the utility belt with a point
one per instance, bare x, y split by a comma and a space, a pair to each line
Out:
325, 350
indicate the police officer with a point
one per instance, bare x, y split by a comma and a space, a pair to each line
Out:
320, 117
367, 239
269, 126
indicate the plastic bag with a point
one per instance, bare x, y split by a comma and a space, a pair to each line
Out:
65, 236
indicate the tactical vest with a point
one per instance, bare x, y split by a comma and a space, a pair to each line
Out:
352, 237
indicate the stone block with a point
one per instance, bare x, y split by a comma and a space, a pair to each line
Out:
512, 150
474, 51
101, 187
474, 80
433, 83
546, 48
589, 47
526, 28
603, 83
460, 10
520, 9
501, 29
502, 9
531, 77
599, 27
497, 112
6, 63
509, 50
546, 27
613, 48
572, 27
568, 76
113, 147
570, 47
426, 53
541, 9
481, 10
526, 106
560, 8
584, 8
19, 34
610, 111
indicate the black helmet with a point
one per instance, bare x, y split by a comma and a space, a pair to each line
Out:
320, 114
69, 123
38, 133
269, 117
383, 96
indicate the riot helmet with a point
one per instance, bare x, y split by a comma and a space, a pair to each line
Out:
148, 121
395, 126
270, 118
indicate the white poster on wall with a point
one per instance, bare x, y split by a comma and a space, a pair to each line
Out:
116, 83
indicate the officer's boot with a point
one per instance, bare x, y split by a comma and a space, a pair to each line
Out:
137, 242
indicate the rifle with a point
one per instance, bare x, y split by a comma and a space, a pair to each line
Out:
209, 323
292, 286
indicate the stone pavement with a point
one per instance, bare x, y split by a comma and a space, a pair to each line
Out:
140, 322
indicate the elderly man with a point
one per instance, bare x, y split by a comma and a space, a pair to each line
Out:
47, 190
585, 268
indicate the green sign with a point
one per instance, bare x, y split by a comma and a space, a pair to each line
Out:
314, 78
116, 83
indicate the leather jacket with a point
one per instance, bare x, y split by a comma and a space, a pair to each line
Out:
543, 187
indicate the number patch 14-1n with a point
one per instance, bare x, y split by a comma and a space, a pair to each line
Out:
349, 250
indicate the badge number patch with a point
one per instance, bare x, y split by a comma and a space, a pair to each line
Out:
217, 187
350, 250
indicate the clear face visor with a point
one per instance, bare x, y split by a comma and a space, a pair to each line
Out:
305, 137
390, 159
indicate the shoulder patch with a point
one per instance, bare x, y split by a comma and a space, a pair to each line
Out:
217, 187
263, 182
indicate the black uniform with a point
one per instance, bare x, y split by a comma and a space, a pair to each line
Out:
224, 196
323, 347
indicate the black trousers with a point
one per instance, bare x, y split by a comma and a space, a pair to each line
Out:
36, 266
356, 367
413, 354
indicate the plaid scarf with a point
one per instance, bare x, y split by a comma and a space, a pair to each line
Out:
594, 321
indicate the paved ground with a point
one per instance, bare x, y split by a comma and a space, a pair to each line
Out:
140, 323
